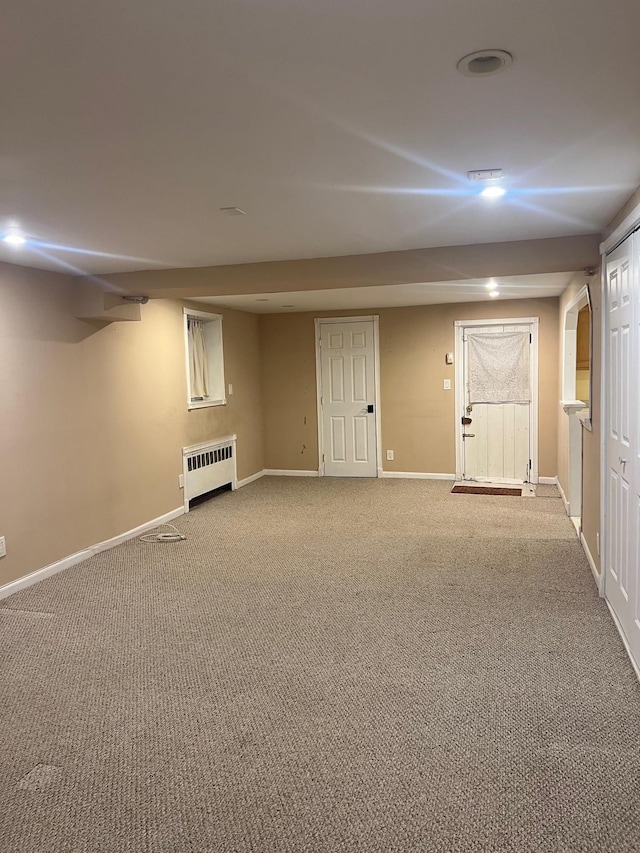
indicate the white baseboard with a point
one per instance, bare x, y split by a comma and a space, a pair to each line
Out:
548, 481
282, 472
634, 663
591, 561
564, 499
80, 556
41, 574
415, 475
137, 531
251, 479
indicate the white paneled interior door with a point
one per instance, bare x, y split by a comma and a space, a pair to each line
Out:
622, 489
347, 397
496, 437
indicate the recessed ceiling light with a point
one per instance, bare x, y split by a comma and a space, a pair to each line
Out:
14, 239
482, 63
233, 211
495, 293
493, 191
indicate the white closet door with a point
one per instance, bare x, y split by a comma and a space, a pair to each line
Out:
348, 439
623, 440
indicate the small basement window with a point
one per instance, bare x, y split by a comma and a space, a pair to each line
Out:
205, 362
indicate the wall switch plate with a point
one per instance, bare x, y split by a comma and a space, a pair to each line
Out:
389, 455
181, 481
230, 389
449, 358
446, 385
3, 547
598, 543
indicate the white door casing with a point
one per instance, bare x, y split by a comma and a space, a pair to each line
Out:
573, 407
348, 396
503, 442
622, 438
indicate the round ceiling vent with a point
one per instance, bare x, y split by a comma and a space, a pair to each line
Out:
484, 62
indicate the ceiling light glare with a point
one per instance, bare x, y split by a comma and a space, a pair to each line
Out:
491, 284
493, 192
495, 293
482, 63
14, 239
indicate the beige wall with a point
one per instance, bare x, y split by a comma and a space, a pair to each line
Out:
590, 440
417, 415
93, 418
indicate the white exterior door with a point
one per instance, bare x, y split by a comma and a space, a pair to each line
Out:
347, 392
496, 437
622, 584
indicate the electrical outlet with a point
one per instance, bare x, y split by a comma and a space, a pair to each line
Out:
230, 389
446, 384
3, 547
181, 481
389, 455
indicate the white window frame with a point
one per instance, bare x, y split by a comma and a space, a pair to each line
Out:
215, 356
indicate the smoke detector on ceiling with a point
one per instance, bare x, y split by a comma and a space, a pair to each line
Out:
485, 174
482, 63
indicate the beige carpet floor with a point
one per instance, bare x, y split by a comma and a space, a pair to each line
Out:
324, 665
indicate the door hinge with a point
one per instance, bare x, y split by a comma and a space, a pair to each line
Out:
530, 338
323, 457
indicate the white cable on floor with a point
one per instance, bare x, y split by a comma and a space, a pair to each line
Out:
176, 536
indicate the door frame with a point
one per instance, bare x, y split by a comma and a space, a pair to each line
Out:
569, 402
627, 227
459, 326
318, 323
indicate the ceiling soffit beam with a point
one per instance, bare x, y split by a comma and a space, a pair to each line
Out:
448, 263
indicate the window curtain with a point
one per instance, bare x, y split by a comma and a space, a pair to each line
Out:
498, 368
198, 362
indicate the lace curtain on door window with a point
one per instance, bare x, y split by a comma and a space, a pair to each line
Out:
498, 368
198, 362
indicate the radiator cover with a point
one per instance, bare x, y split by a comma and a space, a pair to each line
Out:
208, 466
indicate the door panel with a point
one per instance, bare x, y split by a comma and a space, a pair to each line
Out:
347, 389
497, 449
338, 440
622, 513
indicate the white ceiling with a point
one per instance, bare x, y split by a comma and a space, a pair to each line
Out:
395, 295
340, 126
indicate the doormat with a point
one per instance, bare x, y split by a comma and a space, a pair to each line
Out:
485, 490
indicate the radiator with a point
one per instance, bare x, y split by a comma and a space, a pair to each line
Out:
208, 466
